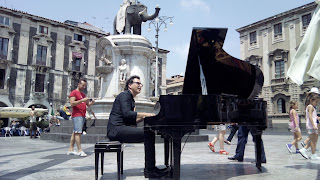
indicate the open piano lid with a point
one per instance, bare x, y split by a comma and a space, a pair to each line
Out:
223, 73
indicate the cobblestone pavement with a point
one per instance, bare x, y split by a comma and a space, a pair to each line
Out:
29, 159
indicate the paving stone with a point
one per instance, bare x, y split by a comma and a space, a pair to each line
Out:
28, 159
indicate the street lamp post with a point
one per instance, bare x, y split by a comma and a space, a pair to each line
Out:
51, 105
48, 83
157, 23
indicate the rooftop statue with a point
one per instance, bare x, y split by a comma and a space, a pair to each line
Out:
132, 14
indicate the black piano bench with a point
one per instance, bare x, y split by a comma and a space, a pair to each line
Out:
108, 146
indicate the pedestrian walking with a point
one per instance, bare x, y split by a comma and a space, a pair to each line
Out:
220, 137
234, 129
294, 126
242, 141
306, 142
312, 126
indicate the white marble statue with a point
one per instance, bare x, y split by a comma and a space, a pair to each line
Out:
123, 70
104, 58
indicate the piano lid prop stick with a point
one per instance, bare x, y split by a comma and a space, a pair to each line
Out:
203, 80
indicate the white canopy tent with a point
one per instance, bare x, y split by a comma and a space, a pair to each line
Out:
306, 61
19, 112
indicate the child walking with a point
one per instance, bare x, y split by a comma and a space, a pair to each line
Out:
312, 126
220, 137
294, 126
306, 142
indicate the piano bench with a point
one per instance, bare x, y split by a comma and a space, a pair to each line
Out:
108, 146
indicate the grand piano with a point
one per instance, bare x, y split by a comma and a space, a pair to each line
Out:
218, 89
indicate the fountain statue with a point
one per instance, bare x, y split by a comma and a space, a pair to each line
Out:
123, 71
131, 15
123, 55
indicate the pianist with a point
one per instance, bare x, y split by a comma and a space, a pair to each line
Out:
122, 125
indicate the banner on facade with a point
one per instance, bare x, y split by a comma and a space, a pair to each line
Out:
76, 55
19, 112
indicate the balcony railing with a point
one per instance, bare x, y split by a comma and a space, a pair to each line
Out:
41, 62
277, 81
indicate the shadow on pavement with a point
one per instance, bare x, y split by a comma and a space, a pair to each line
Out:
198, 171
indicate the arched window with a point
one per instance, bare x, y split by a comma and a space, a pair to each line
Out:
281, 104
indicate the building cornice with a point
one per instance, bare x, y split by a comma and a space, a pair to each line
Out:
18, 13
305, 7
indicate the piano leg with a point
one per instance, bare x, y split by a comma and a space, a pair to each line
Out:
257, 134
176, 138
171, 153
166, 151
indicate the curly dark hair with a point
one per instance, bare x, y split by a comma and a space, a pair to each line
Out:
130, 81
79, 81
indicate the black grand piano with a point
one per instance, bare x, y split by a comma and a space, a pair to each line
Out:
218, 89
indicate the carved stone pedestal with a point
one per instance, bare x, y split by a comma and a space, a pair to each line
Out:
127, 55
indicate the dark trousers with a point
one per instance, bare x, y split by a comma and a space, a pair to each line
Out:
128, 134
234, 129
84, 127
242, 141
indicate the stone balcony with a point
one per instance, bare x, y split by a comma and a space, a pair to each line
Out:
278, 81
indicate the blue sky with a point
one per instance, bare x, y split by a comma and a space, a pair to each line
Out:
231, 14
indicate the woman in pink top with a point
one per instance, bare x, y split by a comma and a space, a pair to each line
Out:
294, 126
312, 126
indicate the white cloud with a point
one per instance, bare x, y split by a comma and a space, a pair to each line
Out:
177, 59
195, 4
181, 51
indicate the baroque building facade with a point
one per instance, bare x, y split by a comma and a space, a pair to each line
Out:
271, 44
42, 59
175, 85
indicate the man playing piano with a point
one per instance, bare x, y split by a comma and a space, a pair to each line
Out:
122, 125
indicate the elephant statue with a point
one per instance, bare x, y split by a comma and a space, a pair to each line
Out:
132, 15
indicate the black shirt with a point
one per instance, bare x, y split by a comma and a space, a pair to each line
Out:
122, 113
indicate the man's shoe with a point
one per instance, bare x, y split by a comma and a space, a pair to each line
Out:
227, 142
234, 158
289, 147
154, 173
303, 153
297, 151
